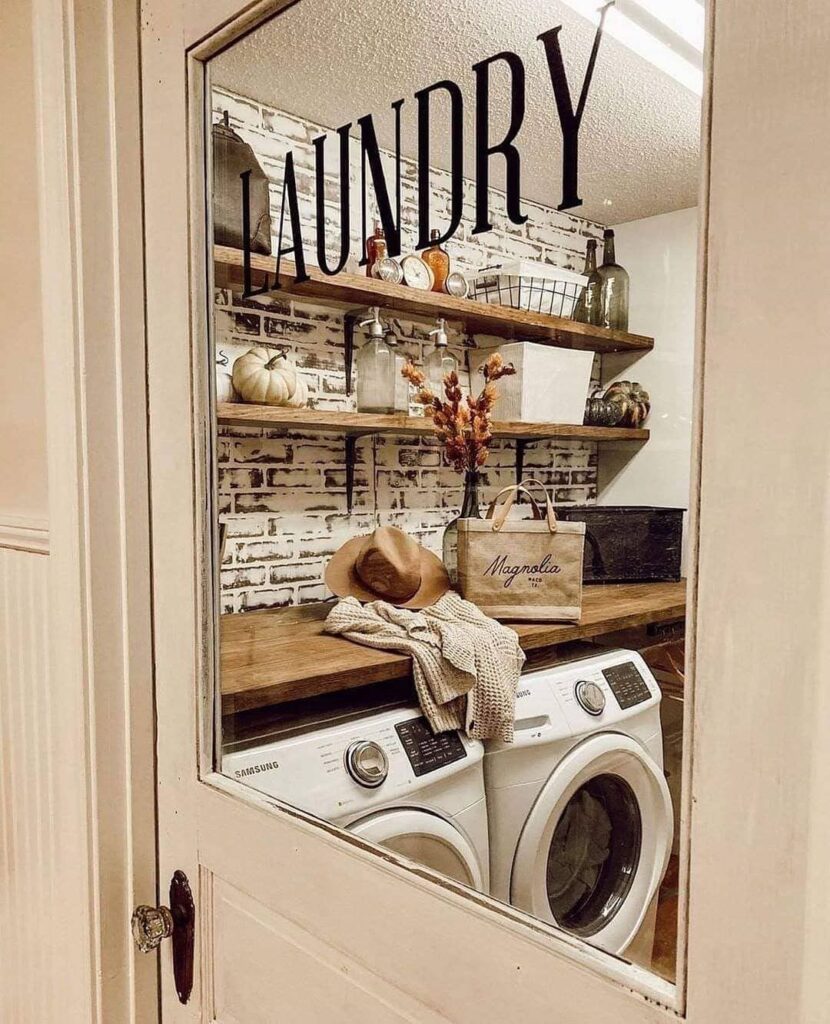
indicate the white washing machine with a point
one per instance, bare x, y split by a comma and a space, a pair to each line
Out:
388, 779
580, 814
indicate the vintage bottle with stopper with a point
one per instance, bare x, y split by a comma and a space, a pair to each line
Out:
376, 249
613, 288
440, 361
438, 260
375, 362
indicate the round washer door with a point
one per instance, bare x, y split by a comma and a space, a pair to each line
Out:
425, 838
596, 843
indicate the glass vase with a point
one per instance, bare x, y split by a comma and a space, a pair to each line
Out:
470, 509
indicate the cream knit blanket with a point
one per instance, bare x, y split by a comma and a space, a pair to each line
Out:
466, 665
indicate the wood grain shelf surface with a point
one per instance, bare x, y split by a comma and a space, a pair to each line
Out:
350, 290
275, 656
239, 414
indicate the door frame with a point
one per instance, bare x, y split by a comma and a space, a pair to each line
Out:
734, 970
99, 853
725, 483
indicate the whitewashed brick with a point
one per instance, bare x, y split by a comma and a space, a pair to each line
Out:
281, 495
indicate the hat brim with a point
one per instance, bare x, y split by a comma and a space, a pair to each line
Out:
343, 581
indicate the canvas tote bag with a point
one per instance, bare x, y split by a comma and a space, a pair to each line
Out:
522, 569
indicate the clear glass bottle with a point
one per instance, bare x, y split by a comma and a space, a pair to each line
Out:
438, 260
401, 402
470, 509
375, 248
587, 308
613, 288
440, 361
375, 362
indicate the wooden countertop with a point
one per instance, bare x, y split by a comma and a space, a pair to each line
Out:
280, 655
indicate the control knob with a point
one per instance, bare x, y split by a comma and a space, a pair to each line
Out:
367, 763
590, 696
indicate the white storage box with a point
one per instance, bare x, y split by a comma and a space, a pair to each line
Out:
529, 285
550, 384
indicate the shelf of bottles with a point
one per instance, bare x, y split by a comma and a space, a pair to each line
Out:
357, 293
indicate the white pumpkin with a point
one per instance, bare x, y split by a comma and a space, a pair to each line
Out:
266, 378
225, 391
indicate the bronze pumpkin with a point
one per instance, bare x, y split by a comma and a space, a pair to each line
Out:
600, 412
632, 400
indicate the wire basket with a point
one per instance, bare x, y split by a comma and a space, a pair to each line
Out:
533, 287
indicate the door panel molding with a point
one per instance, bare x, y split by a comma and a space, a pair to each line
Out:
270, 951
24, 533
289, 866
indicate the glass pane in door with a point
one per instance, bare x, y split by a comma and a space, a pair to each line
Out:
409, 315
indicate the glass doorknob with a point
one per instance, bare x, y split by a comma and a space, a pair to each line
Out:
151, 925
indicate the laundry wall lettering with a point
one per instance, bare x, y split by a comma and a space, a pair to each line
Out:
487, 149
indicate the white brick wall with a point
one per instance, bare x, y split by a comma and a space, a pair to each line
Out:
283, 496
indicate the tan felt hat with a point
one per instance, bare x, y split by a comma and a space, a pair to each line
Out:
387, 565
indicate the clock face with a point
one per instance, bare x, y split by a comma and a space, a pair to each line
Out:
388, 269
416, 273
456, 284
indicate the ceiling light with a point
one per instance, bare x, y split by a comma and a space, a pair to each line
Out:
667, 33
685, 18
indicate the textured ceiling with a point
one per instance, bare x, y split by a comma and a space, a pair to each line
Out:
332, 61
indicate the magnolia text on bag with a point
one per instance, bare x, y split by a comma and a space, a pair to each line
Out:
500, 567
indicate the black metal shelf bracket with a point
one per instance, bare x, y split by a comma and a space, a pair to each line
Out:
350, 321
351, 457
521, 447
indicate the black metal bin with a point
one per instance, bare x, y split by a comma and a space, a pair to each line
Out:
629, 543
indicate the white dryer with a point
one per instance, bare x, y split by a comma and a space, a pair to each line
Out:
385, 777
580, 814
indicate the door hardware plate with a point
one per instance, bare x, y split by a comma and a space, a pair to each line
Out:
184, 934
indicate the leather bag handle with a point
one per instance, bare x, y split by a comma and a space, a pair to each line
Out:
499, 517
537, 513
529, 482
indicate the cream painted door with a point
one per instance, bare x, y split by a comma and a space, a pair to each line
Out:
297, 922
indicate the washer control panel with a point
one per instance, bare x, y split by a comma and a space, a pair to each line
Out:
627, 684
426, 751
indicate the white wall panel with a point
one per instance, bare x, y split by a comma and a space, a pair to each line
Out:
28, 844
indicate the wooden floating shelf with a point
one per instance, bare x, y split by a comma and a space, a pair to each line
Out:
275, 656
237, 414
350, 290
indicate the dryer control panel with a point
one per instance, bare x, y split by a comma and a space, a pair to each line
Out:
627, 684
584, 696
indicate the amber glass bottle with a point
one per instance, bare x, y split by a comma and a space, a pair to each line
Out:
438, 260
375, 248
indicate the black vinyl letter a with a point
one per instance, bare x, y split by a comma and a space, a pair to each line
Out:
289, 198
